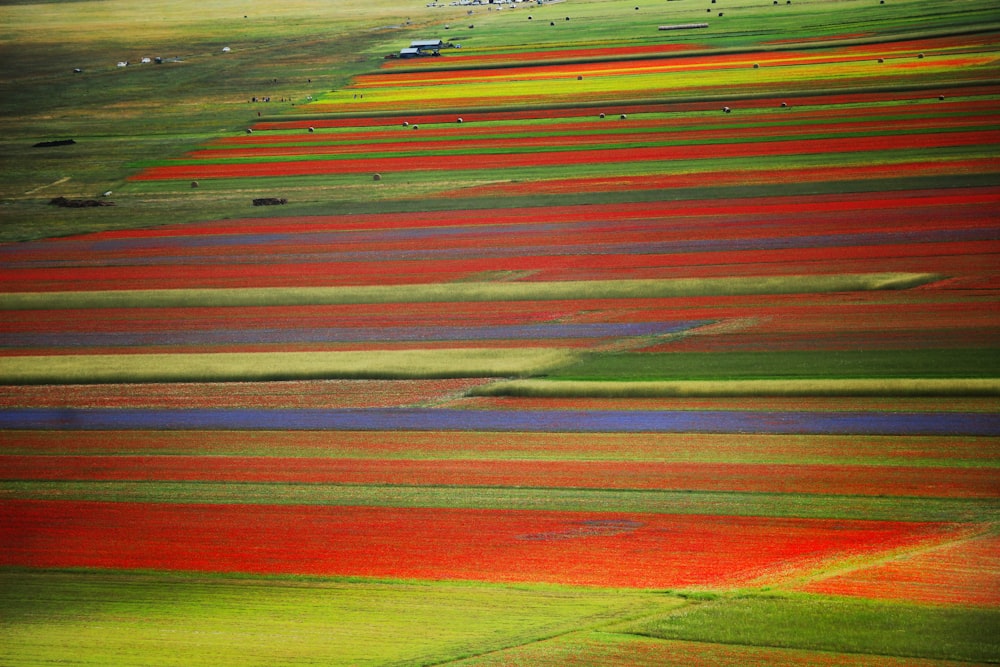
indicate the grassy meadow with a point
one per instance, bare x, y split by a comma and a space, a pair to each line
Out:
119, 116
584, 343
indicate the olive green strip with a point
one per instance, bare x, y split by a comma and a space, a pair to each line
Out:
463, 292
232, 367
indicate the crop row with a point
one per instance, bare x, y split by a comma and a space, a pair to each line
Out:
678, 324
964, 572
738, 448
302, 394
938, 482
485, 160
647, 550
764, 234
840, 104
654, 120
694, 179
229, 335
863, 65
488, 140
572, 421
676, 51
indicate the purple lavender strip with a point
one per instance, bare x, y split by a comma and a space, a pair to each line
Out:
343, 334
597, 421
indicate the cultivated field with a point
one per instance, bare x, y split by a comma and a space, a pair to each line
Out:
620, 335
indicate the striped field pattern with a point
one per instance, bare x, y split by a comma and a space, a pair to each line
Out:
646, 344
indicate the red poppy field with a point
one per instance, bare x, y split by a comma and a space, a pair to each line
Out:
704, 322
435, 543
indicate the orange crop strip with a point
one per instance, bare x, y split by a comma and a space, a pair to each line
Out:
679, 62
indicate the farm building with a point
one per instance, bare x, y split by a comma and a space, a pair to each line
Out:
427, 44
424, 47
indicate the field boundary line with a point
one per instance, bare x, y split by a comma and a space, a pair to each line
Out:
856, 563
48, 185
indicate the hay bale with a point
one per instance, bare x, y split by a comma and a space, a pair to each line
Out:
756, 66
406, 123
312, 129
194, 184
376, 177
416, 127
460, 120
623, 116
579, 78
602, 116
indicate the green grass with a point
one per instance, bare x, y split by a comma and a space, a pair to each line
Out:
128, 618
638, 366
119, 116
836, 624
510, 498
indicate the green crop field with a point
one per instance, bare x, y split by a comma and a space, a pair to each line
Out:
619, 333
